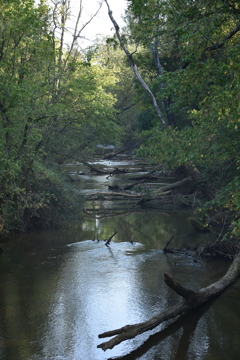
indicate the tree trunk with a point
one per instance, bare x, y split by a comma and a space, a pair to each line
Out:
155, 53
191, 299
135, 69
176, 185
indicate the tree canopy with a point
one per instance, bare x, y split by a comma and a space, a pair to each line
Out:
58, 102
54, 103
193, 61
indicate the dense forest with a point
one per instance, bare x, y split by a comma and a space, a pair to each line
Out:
167, 82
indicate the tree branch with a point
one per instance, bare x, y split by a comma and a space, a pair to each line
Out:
191, 299
221, 44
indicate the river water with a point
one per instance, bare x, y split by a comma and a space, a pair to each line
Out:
60, 289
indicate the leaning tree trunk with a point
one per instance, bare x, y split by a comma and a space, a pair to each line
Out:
135, 69
190, 299
207, 188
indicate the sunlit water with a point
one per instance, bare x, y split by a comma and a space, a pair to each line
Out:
60, 289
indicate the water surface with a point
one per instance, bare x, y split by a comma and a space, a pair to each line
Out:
60, 289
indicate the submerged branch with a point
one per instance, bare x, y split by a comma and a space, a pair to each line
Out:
169, 241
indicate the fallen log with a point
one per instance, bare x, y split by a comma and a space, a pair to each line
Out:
102, 194
113, 193
114, 153
149, 176
126, 187
167, 188
206, 188
177, 184
191, 299
110, 172
94, 168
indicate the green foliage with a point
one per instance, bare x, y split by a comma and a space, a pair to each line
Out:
46, 202
199, 51
145, 120
224, 209
114, 62
53, 102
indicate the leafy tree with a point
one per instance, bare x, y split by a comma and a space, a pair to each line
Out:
109, 55
203, 86
53, 102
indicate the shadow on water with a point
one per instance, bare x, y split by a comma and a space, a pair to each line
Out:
187, 322
59, 290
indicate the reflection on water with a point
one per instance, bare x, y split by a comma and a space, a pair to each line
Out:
60, 289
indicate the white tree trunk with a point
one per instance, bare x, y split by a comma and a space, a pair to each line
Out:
135, 69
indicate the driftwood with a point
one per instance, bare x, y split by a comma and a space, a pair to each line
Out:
191, 299
114, 153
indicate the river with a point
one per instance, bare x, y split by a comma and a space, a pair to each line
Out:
61, 288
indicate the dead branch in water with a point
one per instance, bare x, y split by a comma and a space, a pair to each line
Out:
191, 299
169, 241
103, 171
109, 239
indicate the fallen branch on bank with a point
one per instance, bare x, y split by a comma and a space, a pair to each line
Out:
191, 299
